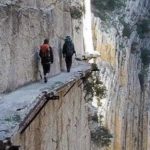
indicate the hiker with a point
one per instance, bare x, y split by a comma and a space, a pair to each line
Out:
68, 51
46, 54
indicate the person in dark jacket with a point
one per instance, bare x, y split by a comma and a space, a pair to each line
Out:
68, 51
46, 54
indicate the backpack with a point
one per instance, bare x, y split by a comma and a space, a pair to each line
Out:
69, 49
45, 53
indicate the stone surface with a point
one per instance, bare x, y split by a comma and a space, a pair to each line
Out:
62, 124
14, 107
24, 24
127, 104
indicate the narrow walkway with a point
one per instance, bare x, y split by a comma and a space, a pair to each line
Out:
16, 105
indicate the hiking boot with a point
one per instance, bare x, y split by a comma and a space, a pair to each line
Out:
45, 79
68, 69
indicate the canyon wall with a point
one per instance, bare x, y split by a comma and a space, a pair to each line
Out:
62, 124
124, 45
24, 24
123, 42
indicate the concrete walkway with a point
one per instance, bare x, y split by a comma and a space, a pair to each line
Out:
16, 105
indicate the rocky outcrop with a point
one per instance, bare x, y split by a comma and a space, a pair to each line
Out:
49, 116
60, 123
123, 69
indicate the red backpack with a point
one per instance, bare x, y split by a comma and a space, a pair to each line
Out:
45, 53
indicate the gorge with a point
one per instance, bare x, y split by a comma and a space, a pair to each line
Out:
118, 30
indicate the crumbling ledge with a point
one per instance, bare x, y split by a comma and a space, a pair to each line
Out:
51, 95
19, 108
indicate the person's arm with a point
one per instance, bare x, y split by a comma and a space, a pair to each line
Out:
64, 50
40, 53
74, 50
51, 54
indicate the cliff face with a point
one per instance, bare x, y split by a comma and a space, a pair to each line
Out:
124, 44
23, 27
61, 123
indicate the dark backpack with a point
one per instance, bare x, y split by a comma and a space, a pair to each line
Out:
69, 49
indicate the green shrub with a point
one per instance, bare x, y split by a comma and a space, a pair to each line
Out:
93, 87
145, 56
143, 27
101, 136
134, 47
126, 30
109, 5
103, 8
94, 118
94, 67
77, 11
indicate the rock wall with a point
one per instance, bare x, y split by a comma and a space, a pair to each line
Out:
61, 124
125, 74
121, 42
24, 24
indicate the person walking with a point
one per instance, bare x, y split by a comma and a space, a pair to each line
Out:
68, 51
46, 54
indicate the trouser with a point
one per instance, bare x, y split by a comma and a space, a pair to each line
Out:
68, 63
46, 68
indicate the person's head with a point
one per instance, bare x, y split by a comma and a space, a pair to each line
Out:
68, 38
46, 41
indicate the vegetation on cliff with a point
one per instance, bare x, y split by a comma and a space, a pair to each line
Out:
143, 27
95, 89
145, 59
104, 8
